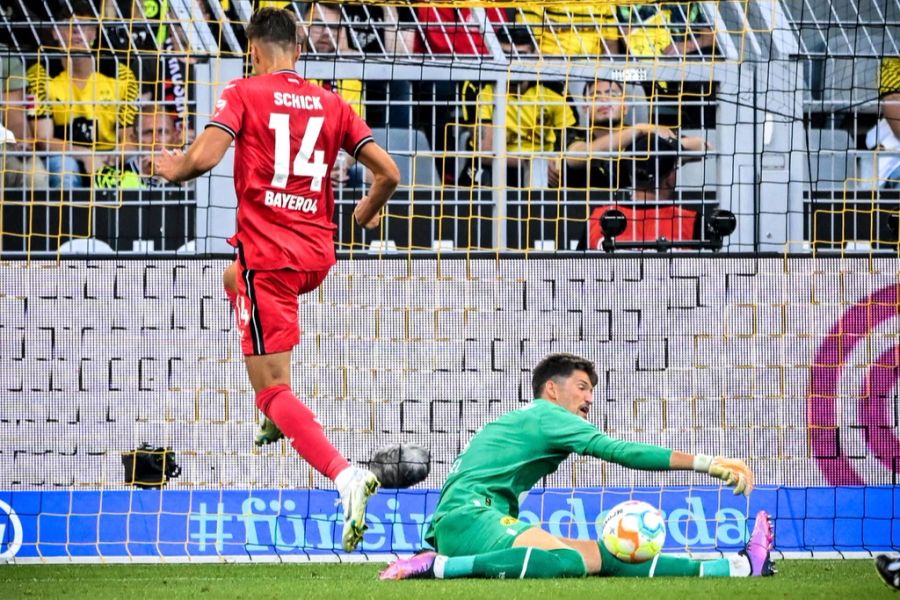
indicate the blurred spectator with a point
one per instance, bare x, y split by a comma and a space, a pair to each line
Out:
157, 50
446, 31
452, 30
606, 133
21, 168
889, 91
537, 115
80, 112
666, 28
885, 136
607, 154
577, 29
672, 29
323, 30
604, 115
381, 31
151, 132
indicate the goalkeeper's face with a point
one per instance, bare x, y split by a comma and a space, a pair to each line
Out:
574, 393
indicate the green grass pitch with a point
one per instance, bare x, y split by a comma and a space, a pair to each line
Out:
796, 579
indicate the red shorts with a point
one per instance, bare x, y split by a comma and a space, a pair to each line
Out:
267, 307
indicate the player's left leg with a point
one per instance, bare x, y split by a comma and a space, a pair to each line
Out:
268, 431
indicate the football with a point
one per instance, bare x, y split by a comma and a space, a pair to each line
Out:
634, 531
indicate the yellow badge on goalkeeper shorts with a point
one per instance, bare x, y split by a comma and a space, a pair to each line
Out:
507, 521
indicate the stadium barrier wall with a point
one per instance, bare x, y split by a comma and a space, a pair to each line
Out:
291, 525
791, 363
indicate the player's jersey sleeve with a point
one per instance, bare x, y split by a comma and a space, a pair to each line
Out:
568, 432
357, 133
633, 455
229, 113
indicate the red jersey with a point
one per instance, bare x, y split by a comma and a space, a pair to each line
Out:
287, 135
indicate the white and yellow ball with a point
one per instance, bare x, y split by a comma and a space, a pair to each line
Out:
634, 531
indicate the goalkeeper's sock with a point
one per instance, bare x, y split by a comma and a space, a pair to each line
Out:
301, 427
663, 565
513, 563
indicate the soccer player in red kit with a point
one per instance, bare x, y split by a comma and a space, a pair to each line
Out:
287, 133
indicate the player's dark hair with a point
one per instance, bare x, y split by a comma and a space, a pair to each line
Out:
275, 26
560, 366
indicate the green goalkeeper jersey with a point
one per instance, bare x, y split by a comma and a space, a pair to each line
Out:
509, 455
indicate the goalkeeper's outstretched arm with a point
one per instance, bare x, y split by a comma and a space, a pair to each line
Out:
734, 472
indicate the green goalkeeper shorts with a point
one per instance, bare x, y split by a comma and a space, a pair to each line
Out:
471, 530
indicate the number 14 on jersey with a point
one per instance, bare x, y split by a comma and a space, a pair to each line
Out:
308, 162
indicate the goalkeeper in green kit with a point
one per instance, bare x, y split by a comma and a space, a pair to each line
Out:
475, 530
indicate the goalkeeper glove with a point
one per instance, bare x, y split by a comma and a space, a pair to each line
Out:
733, 471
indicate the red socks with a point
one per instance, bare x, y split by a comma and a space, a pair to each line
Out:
300, 426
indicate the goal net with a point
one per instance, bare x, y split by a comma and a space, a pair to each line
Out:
747, 308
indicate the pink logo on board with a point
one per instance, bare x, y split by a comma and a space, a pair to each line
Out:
874, 412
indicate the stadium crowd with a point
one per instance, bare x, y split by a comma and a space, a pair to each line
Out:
77, 72
82, 78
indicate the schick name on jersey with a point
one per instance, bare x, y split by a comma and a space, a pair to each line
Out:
291, 201
298, 101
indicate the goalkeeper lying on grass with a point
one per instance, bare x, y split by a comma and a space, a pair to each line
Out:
475, 529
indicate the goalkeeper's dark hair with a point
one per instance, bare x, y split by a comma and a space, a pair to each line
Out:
560, 366
275, 26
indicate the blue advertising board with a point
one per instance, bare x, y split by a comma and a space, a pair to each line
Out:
260, 523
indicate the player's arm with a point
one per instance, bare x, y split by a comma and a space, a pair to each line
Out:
204, 154
622, 138
386, 178
647, 457
578, 152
